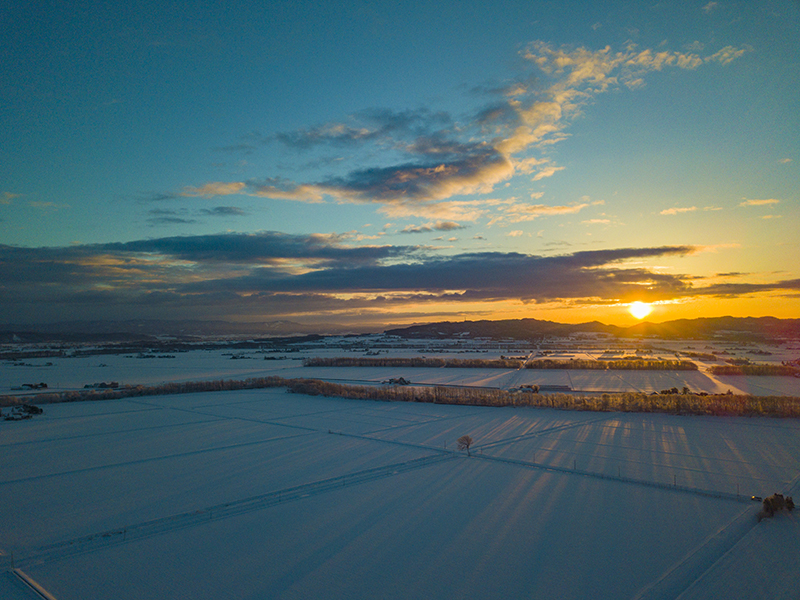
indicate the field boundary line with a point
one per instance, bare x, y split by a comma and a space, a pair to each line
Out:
619, 478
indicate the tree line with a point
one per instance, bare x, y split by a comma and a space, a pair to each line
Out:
672, 403
503, 363
414, 361
678, 403
756, 370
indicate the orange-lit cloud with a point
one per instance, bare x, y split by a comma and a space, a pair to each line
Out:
242, 274
675, 211
765, 202
446, 159
215, 188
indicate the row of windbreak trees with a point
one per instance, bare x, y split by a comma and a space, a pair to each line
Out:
181, 387
503, 363
755, 370
686, 403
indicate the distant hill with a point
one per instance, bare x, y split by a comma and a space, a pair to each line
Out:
144, 331
734, 328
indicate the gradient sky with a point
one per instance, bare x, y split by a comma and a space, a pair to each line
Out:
384, 162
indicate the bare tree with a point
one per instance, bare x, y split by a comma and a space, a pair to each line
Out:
464, 442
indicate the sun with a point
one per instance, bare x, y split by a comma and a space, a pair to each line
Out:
640, 309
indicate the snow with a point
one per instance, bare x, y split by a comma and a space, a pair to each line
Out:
73, 373
266, 494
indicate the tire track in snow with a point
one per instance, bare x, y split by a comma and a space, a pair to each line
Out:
681, 575
147, 529
693, 567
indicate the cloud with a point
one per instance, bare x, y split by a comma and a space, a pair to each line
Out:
215, 188
482, 276
230, 272
765, 202
225, 275
223, 211
728, 54
285, 191
7, 197
423, 160
448, 226
748, 289
368, 126
785, 161
519, 212
716, 247
596, 221
167, 220
710, 7
440, 226
515, 233
528, 165
547, 172
416, 229
675, 211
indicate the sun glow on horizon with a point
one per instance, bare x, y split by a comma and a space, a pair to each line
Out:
640, 309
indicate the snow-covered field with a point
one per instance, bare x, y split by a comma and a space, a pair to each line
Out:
74, 373
265, 494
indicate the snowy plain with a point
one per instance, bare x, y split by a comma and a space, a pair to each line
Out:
73, 373
265, 494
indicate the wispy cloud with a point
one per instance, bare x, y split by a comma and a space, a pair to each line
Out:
223, 211
728, 54
215, 188
182, 216
160, 216
7, 197
440, 226
519, 212
676, 211
547, 172
765, 202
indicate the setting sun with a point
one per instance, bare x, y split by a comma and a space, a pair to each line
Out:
640, 309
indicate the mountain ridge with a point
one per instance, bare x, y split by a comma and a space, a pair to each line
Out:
735, 328
739, 328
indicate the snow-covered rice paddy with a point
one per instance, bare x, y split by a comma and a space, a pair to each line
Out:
264, 494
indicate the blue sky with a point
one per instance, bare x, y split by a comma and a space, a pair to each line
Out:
381, 162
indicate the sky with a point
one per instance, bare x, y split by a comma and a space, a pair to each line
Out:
382, 163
